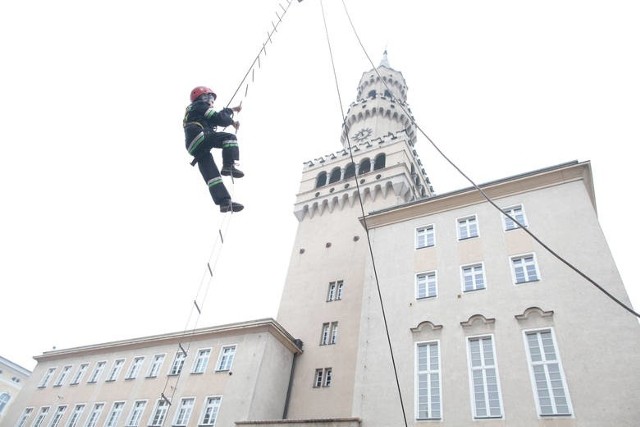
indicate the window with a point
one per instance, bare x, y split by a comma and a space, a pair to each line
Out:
225, 360
350, 171
335, 291
429, 404
136, 413
75, 416
47, 376
92, 421
22, 421
178, 363
516, 212
160, 411
184, 412
200, 364
379, 161
335, 175
547, 376
321, 180
364, 167
155, 366
483, 372
82, 369
41, 416
57, 416
329, 333
115, 370
426, 285
134, 369
112, 418
524, 269
63, 375
472, 278
4, 399
97, 371
425, 236
322, 378
467, 227
210, 411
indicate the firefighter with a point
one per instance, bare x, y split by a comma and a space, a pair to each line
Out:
201, 136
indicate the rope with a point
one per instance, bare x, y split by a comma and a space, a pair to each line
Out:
375, 272
197, 307
263, 50
486, 197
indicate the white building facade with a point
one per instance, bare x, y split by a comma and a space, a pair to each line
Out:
12, 379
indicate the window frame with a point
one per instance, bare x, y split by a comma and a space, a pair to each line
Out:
323, 377
429, 232
63, 376
427, 275
47, 377
558, 360
183, 412
135, 368
136, 413
462, 277
429, 373
156, 365
228, 363
117, 408
198, 366
160, 412
465, 219
527, 280
80, 373
97, 372
205, 417
507, 224
78, 409
96, 412
178, 363
24, 416
57, 415
483, 368
116, 368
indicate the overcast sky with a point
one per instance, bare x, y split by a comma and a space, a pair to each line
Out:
105, 229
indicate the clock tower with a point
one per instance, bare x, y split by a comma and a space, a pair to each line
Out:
322, 300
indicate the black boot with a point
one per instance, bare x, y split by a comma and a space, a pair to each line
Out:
229, 206
232, 170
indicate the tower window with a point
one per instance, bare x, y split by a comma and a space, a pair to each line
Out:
321, 180
335, 175
350, 171
365, 166
335, 291
387, 94
379, 161
372, 94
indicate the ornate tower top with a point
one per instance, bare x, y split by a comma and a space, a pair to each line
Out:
380, 107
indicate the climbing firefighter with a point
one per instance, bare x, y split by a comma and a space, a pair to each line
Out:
200, 124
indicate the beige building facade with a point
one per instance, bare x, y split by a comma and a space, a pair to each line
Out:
482, 325
209, 376
12, 379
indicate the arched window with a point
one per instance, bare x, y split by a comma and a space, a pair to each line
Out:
321, 179
379, 162
365, 166
335, 175
372, 94
4, 399
387, 93
350, 171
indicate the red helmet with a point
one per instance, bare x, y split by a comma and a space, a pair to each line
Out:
201, 90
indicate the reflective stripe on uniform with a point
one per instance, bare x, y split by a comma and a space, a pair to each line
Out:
230, 143
210, 113
195, 143
214, 181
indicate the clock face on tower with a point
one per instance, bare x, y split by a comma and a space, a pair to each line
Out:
362, 134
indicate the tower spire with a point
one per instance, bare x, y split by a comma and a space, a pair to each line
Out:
385, 61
